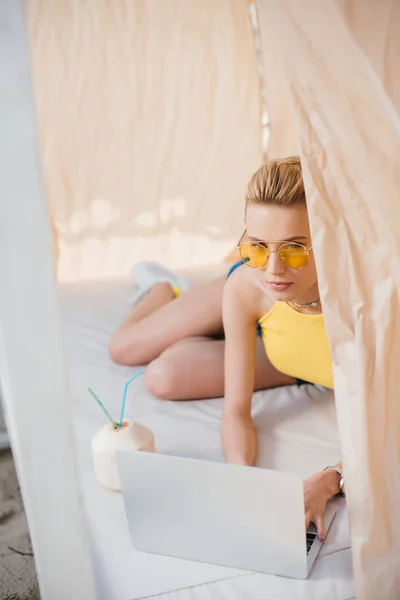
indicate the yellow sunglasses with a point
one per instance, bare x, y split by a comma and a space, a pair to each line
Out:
255, 254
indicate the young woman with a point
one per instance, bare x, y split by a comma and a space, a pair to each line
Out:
271, 317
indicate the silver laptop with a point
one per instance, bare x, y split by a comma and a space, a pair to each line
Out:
243, 517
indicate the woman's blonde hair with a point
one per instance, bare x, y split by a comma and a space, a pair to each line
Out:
279, 182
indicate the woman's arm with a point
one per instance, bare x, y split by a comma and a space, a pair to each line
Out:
240, 325
238, 438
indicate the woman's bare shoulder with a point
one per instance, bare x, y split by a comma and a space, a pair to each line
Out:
245, 289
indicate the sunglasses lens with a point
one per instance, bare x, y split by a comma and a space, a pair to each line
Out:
254, 255
293, 256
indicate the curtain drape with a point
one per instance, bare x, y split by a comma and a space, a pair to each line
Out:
341, 63
149, 122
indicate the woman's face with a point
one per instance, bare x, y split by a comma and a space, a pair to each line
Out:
271, 223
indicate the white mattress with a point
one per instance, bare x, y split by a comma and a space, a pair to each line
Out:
296, 429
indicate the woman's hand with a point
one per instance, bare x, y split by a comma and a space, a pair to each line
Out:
318, 489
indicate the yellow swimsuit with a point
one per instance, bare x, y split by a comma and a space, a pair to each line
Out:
297, 344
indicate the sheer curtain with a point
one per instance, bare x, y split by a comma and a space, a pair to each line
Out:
149, 121
341, 64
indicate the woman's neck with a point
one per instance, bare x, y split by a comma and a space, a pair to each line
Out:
308, 302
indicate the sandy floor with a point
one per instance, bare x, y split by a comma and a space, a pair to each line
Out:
17, 570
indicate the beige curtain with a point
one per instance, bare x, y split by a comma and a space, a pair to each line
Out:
149, 121
341, 62
283, 139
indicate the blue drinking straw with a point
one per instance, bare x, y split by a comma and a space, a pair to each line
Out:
121, 418
103, 408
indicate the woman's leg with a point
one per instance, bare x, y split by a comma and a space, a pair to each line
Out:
197, 312
159, 295
194, 368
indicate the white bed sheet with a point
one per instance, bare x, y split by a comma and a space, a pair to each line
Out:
296, 429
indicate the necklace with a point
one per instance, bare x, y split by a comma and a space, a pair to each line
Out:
307, 305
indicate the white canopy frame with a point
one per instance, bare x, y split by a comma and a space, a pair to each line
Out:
36, 397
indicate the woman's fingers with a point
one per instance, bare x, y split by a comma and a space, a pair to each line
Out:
315, 499
317, 520
320, 527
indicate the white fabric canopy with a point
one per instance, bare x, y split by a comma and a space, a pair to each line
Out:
149, 127
341, 61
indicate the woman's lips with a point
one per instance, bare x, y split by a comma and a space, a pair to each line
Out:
279, 287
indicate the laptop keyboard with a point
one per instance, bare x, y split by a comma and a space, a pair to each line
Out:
310, 537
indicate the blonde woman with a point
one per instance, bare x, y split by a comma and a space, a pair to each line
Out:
263, 327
